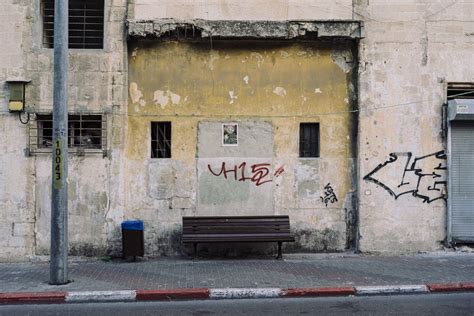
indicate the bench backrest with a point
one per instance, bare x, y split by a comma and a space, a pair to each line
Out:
238, 228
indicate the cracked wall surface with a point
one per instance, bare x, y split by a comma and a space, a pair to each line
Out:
408, 51
227, 29
411, 49
96, 84
267, 88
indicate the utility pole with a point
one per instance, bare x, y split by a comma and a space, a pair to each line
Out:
59, 242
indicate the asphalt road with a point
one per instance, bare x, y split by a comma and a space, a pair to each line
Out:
431, 304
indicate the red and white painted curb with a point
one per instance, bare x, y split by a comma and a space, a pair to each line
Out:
391, 289
225, 293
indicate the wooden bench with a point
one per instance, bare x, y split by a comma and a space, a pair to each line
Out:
219, 229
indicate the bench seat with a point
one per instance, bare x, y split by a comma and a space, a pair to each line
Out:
218, 229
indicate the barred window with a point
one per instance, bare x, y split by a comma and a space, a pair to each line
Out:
160, 139
86, 24
309, 140
85, 132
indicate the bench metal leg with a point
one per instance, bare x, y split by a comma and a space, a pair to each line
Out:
195, 250
279, 250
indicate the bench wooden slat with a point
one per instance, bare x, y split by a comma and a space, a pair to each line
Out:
212, 229
228, 224
231, 218
230, 234
236, 237
232, 228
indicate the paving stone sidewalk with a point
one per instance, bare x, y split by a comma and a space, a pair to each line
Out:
295, 271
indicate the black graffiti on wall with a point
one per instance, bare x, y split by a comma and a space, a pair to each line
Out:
424, 177
329, 195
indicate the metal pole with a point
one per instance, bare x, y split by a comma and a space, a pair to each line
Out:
59, 241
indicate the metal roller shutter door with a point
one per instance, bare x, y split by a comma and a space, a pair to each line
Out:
462, 177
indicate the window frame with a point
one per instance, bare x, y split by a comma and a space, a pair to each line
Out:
166, 143
47, 34
37, 128
309, 152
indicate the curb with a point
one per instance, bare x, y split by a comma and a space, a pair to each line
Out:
173, 294
101, 296
391, 290
451, 287
227, 293
32, 297
323, 291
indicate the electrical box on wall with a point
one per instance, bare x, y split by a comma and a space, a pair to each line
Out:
16, 102
461, 109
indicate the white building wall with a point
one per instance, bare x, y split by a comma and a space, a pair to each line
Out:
410, 51
96, 83
16, 171
267, 10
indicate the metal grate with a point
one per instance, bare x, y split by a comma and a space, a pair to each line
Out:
160, 139
309, 140
460, 90
86, 24
86, 133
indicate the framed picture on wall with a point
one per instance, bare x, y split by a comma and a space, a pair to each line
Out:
230, 134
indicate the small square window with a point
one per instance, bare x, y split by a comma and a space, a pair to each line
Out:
309, 140
160, 139
85, 131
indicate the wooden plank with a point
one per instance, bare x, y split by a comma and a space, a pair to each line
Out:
210, 229
224, 231
288, 235
251, 228
235, 217
215, 240
240, 221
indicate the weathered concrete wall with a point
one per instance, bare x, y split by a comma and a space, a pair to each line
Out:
17, 216
410, 50
96, 83
242, 10
268, 88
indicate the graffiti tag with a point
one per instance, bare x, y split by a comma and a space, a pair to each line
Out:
424, 178
259, 173
329, 195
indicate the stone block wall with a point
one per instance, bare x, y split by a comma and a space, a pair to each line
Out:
97, 80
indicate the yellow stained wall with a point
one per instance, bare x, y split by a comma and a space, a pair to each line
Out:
184, 83
279, 82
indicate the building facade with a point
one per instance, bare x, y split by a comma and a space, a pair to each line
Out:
335, 114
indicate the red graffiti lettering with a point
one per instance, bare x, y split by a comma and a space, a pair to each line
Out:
224, 171
258, 172
242, 172
279, 171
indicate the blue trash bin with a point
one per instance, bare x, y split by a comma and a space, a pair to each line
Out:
132, 239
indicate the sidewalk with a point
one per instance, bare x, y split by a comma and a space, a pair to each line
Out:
448, 271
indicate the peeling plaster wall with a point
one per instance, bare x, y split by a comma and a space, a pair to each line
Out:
410, 51
268, 88
97, 80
